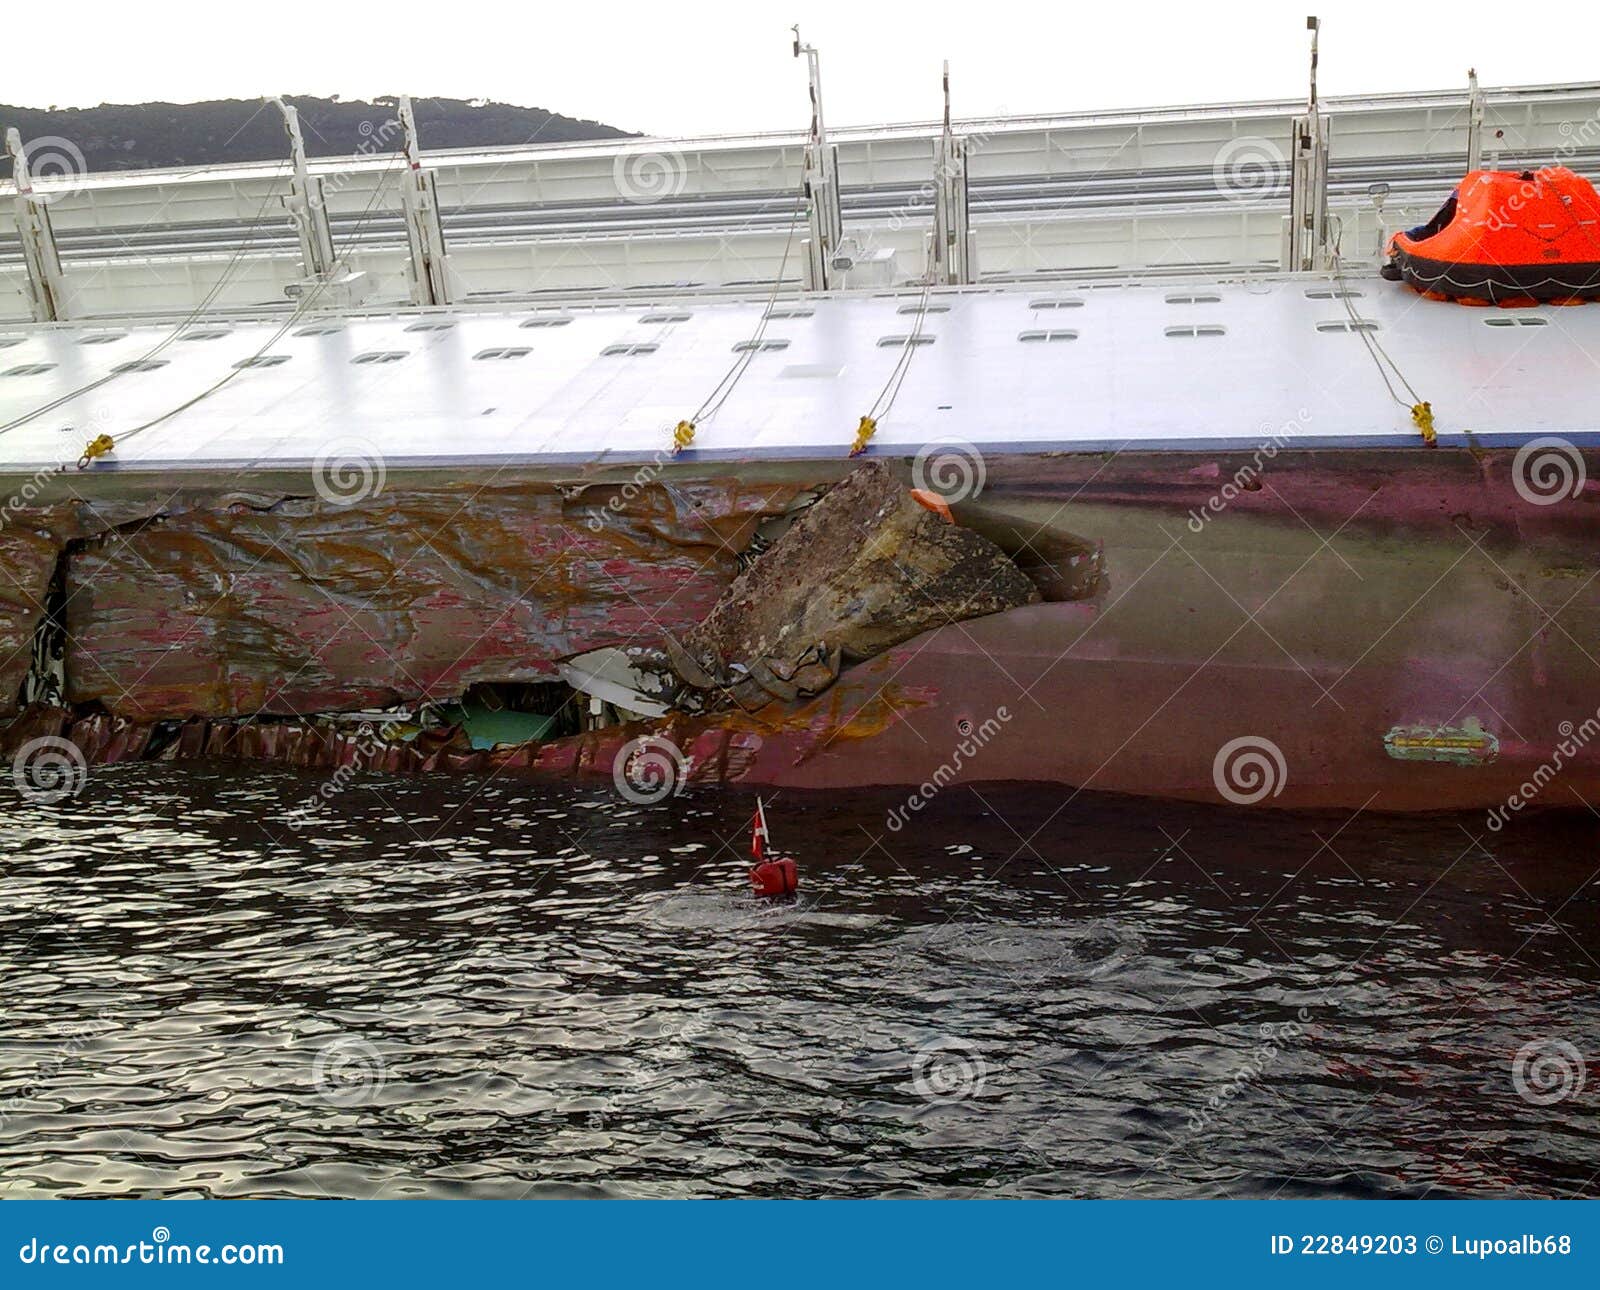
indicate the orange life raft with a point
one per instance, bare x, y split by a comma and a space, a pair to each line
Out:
1510, 238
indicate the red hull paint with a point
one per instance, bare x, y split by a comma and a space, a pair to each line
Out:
1326, 600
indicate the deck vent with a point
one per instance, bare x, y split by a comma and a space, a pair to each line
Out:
374, 356
624, 351
1348, 325
1516, 320
924, 309
432, 324
1332, 293
321, 329
666, 318
1058, 333
553, 320
30, 369
1057, 302
209, 333
140, 365
6, 342
101, 337
262, 360
1194, 298
503, 351
760, 346
884, 342
790, 311
1200, 329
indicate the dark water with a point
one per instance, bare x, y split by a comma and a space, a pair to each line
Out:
455, 988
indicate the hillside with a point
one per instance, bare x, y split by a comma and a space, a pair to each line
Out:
140, 136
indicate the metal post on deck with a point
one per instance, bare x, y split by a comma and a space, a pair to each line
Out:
305, 204
952, 257
1475, 104
821, 182
47, 286
428, 268
1307, 246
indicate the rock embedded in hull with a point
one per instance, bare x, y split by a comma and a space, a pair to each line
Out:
862, 570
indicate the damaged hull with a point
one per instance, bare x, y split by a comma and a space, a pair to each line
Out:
1257, 645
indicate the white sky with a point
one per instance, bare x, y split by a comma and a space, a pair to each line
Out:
699, 67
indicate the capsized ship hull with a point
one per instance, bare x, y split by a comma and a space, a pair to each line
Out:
1383, 629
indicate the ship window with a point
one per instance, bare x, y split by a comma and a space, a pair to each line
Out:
320, 329
1348, 325
620, 351
666, 318
379, 356
1203, 329
432, 324
212, 333
1057, 302
885, 341
1194, 298
791, 312
140, 365
1332, 293
504, 351
555, 320
1516, 320
1061, 333
30, 369
924, 309
263, 360
101, 337
745, 346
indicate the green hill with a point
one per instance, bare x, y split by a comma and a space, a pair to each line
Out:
141, 136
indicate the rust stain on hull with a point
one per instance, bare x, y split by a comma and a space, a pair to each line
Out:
1432, 603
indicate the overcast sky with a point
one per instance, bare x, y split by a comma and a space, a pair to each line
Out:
688, 68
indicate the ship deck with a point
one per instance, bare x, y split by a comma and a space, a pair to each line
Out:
1179, 366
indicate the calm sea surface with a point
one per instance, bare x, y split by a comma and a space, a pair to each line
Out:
448, 987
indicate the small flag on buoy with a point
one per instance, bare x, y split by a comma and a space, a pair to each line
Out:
778, 876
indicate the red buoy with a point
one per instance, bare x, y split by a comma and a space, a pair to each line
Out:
777, 876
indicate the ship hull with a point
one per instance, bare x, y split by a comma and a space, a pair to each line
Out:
1395, 630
